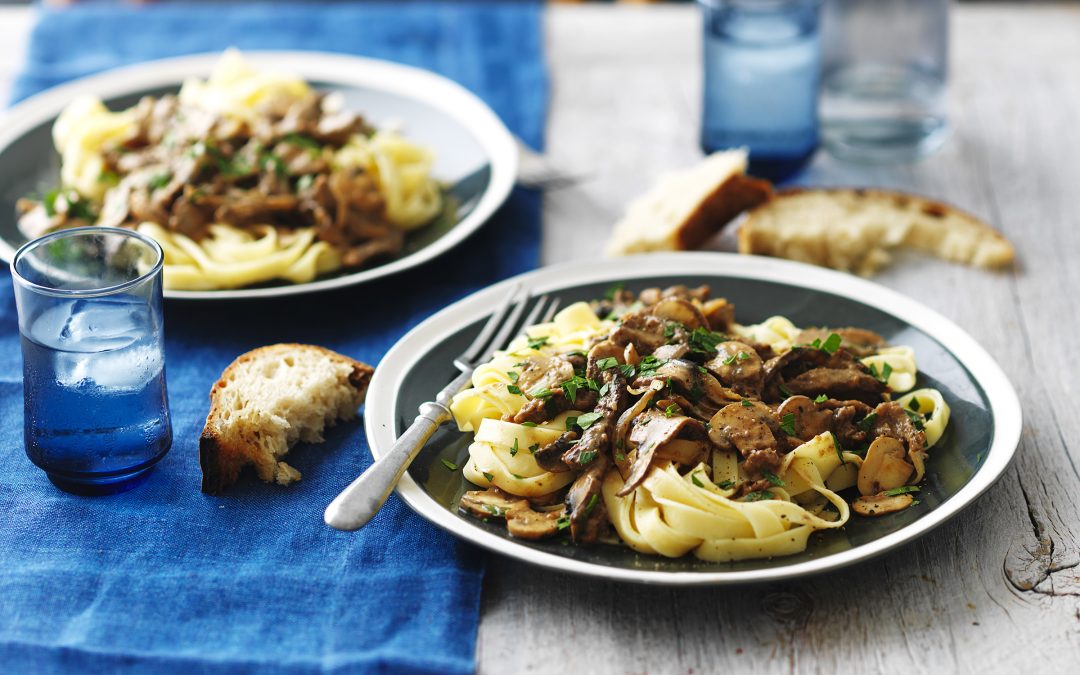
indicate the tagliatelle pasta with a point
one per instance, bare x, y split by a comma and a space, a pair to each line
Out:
682, 433
246, 177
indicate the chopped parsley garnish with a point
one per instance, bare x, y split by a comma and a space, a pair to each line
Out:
604, 389
821, 398
704, 340
695, 481
916, 420
490, 478
528, 424
914, 404
614, 290
757, 496
882, 376
562, 523
493, 510
160, 180
517, 476
784, 390
867, 422
726, 484
533, 448
747, 403
592, 503
513, 375
787, 424
773, 478
901, 490
514, 389
620, 457
696, 393
514, 447
831, 344
607, 363
839, 450
542, 393
729, 360
673, 410
702, 369
742, 356
670, 327
627, 370
306, 142
585, 421
450, 466
586, 457
537, 343
648, 366
570, 422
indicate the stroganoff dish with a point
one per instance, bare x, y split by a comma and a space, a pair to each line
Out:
243, 178
657, 421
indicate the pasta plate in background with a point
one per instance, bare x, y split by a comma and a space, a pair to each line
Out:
244, 178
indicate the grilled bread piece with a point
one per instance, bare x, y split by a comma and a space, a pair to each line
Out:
687, 207
854, 229
269, 399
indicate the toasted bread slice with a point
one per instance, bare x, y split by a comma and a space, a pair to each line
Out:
687, 207
269, 399
854, 230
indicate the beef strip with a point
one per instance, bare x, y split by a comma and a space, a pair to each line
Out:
585, 504
596, 440
644, 331
810, 371
858, 341
891, 420
550, 457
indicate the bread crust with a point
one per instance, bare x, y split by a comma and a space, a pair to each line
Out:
735, 195
222, 461
756, 239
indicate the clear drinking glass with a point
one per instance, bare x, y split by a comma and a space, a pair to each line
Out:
96, 410
762, 68
884, 71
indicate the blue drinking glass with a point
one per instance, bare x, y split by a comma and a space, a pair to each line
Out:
762, 62
96, 416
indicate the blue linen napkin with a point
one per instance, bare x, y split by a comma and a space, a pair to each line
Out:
167, 579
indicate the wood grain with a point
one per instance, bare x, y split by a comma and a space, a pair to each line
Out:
994, 590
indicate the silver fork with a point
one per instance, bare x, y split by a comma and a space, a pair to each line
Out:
358, 503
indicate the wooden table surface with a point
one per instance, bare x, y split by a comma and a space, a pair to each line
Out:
998, 588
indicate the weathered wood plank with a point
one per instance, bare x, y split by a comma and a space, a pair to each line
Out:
996, 588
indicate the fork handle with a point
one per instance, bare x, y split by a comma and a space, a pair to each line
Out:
358, 503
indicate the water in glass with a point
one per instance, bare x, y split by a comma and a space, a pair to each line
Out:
95, 389
761, 81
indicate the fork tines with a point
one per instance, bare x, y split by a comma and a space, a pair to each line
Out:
507, 322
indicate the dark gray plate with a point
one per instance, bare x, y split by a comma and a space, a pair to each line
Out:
476, 156
981, 437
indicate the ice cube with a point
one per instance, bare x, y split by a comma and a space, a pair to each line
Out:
105, 324
129, 368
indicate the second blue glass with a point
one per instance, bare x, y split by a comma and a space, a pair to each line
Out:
762, 62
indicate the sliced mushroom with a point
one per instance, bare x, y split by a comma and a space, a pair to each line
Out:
720, 314
737, 365
752, 430
549, 457
680, 311
881, 504
651, 430
884, 467
809, 420
683, 452
530, 524
521, 520
544, 372
489, 503
585, 504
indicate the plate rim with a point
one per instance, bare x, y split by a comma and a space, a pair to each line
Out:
441, 93
379, 413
